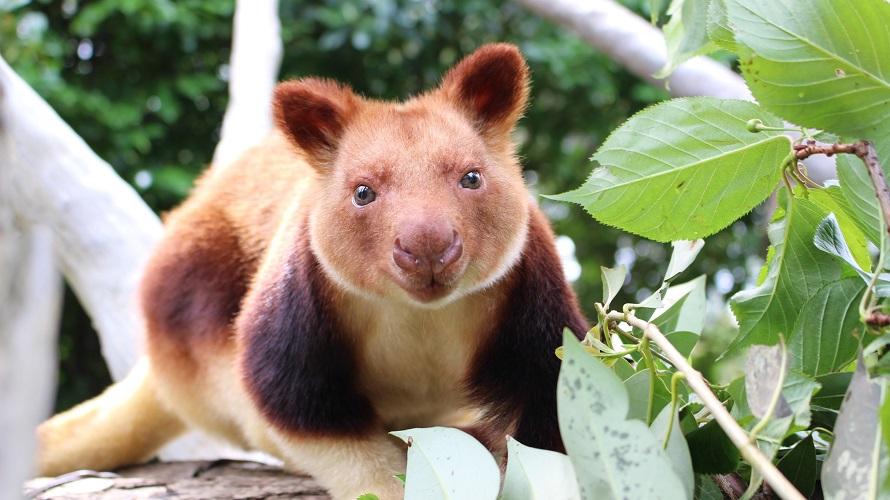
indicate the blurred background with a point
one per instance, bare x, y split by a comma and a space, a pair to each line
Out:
144, 82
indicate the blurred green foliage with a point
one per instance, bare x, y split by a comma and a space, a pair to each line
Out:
144, 83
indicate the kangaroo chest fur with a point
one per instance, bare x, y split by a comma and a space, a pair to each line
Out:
415, 362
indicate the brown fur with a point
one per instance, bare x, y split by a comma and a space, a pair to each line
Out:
278, 317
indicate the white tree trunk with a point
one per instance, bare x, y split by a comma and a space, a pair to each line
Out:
30, 303
638, 46
102, 231
253, 72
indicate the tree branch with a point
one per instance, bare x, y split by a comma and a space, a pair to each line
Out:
253, 72
700, 386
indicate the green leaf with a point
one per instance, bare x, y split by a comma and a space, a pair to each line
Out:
685, 34
683, 169
858, 455
859, 192
834, 386
796, 272
655, 7
706, 488
613, 280
719, 30
619, 457
534, 474
445, 463
687, 308
832, 200
677, 450
368, 496
685, 342
800, 466
818, 63
827, 335
638, 390
712, 451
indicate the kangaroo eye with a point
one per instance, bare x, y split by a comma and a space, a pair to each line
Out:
363, 195
471, 180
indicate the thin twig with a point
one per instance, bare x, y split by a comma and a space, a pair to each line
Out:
865, 150
700, 386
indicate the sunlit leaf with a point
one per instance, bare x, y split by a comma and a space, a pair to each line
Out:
685, 34
833, 76
445, 463
719, 30
613, 280
683, 169
534, 474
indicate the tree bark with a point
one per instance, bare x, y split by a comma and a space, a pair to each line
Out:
220, 480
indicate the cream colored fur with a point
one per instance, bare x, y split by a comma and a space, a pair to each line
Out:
126, 424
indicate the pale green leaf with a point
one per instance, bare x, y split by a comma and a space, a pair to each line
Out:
534, 474
797, 390
445, 463
682, 256
686, 305
766, 368
797, 270
719, 29
613, 280
677, 450
619, 458
827, 334
818, 63
683, 169
655, 7
638, 390
858, 455
685, 34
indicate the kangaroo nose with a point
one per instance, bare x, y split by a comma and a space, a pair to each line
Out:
425, 250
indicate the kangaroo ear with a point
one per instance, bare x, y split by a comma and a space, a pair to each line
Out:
491, 85
313, 113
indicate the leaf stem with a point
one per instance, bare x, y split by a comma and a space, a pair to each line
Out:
653, 379
675, 398
699, 385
